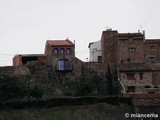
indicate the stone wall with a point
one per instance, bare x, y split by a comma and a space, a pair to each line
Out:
146, 100
137, 82
15, 71
156, 76
146, 103
91, 68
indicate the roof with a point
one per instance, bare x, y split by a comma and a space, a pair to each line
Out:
130, 34
60, 42
93, 43
30, 55
152, 41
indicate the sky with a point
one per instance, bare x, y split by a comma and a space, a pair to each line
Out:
25, 25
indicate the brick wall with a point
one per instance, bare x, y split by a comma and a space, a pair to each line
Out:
130, 51
15, 71
152, 48
17, 60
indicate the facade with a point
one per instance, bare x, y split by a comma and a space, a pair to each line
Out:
152, 51
130, 48
136, 59
60, 53
95, 51
61, 56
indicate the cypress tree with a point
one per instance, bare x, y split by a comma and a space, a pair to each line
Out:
110, 82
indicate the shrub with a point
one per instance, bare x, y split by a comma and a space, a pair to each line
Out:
36, 91
12, 87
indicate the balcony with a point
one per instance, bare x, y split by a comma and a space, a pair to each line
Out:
64, 66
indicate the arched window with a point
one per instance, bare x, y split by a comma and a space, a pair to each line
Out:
68, 51
55, 51
62, 51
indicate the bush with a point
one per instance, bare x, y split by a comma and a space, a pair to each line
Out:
36, 91
12, 87
84, 86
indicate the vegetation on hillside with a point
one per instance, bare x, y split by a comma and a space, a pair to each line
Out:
43, 82
100, 111
16, 88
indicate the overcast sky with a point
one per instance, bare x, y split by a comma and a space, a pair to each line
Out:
25, 25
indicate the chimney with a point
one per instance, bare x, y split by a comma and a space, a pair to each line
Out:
144, 34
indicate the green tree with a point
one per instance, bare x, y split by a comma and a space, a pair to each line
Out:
12, 87
97, 82
110, 82
84, 86
36, 91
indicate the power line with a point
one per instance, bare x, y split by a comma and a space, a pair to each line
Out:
6, 54
81, 50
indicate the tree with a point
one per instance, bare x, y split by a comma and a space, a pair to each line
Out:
36, 91
97, 82
110, 82
12, 87
84, 86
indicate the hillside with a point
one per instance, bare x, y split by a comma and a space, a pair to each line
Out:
101, 111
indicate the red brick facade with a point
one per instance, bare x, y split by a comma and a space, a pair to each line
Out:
23, 59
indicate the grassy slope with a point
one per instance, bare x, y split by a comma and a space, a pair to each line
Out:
101, 111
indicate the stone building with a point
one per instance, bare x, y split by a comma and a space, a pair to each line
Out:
152, 51
60, 54
136, 59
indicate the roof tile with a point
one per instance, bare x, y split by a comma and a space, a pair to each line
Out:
60, 42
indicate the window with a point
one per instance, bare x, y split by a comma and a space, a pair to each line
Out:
55, 51
128, 60
131, 89
63, 65
152, 48
68, 51
141, 76
99, 58
152, 59
62, 51
130, 76
147, 86
131, 50
130, 40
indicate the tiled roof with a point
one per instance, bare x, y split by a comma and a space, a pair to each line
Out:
60, 42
